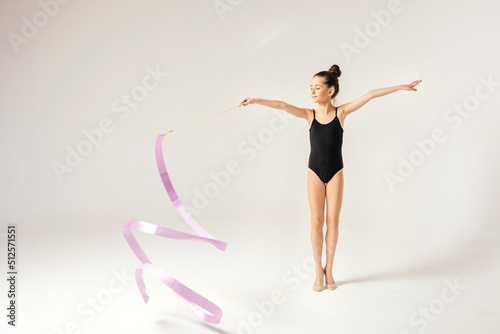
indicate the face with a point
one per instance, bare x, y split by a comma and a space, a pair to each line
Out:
319, 91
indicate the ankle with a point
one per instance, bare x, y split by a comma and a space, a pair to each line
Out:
320, 272
330, 280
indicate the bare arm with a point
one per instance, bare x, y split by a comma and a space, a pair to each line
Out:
276, 104
358, 103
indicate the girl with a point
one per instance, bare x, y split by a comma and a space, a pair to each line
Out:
325, 179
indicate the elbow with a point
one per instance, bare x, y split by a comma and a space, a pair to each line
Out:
282, 105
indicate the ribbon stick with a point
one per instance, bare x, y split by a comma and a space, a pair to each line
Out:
190, 297
217, 113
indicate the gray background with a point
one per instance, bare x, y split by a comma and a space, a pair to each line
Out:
399, 247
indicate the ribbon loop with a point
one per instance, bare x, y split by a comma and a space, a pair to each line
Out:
190, 297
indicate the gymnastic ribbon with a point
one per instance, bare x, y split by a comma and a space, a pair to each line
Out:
190, 297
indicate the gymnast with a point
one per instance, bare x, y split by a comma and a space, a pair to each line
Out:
325, 178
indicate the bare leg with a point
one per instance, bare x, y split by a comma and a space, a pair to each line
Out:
316, 191
334, 191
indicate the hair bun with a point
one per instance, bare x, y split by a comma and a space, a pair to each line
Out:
335, 70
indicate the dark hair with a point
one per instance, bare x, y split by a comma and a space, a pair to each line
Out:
331, 78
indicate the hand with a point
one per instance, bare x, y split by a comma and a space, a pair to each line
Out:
246, 101
410, 86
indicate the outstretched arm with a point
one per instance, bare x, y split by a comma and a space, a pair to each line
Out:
276, 104
358, 103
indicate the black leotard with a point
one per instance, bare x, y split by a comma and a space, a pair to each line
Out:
325, 158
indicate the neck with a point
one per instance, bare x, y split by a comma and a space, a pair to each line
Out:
324, 108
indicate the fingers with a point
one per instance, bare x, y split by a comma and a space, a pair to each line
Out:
244, 102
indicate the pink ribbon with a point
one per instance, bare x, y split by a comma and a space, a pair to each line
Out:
190, 297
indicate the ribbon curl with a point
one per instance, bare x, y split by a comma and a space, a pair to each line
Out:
190, 297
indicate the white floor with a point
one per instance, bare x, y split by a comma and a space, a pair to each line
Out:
78, 280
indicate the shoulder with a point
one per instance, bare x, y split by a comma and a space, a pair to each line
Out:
341, 114
341, 111
310, 114
305, 113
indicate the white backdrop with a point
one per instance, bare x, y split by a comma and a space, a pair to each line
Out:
87, 86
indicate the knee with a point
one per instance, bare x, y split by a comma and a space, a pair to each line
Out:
332, 222
317, 222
